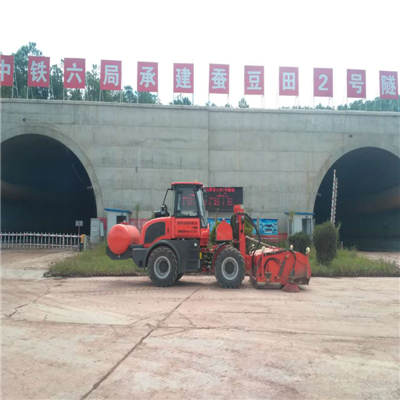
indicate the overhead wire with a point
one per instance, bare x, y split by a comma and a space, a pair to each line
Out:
73, 167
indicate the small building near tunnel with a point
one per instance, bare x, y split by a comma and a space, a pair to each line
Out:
116, 216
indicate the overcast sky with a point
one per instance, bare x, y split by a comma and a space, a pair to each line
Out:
306, 34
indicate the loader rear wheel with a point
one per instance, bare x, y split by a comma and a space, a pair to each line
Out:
163, 267
230, 268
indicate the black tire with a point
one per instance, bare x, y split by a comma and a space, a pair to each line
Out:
179, 277
163, 267
230, 268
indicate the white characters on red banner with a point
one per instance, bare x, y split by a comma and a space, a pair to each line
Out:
5, 69
254, 80
38, 71
183, 78
356, 84
323, 82
74, 73
110, 75
147, 77
288, 81
219, 79
388, 85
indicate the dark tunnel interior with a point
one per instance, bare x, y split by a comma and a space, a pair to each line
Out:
368, 199
45, 188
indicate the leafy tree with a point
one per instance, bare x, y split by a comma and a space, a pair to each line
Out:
243, 103
75, 94
181, 101
93, 83
129, 95
321, 107
57, 80
227, 105
148, 98
377, 104
209, 104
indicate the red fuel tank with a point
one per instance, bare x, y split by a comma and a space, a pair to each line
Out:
121, 237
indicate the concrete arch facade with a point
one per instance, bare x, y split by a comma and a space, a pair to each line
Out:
132, 152
56, 134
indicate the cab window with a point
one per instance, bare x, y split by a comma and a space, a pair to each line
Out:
186, 205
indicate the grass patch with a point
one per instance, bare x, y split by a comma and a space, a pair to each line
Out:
96, 263
349, 264
93, 263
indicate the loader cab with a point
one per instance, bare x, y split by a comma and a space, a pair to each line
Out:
184, 200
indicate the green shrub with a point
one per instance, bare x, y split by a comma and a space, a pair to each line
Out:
300, 241
325, 242
213, 234
248, 228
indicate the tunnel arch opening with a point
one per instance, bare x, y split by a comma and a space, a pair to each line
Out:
368, 202
45, 187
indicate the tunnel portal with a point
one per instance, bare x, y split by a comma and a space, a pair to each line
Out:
368, 202
45, 188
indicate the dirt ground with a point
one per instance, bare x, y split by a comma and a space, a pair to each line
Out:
122, 338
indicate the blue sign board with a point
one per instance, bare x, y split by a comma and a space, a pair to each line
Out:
268, 226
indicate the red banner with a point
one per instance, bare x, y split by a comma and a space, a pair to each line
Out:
356, 84
254, 80
288, 81
183, 78
219, 79
38, 71
389, 85
74, 73
147, 77
110, 75
6, 70
323, 82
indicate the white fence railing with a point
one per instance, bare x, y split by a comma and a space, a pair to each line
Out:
39, 240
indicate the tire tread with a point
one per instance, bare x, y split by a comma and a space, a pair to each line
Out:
172, 278
230, 251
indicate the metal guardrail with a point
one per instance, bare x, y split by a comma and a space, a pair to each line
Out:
29, 240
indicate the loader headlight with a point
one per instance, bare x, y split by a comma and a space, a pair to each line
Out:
308, 250
291, 247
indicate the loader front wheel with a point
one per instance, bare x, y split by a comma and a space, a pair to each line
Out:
163, 267
230, 268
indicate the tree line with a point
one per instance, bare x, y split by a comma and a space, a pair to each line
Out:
128, 95
56, 90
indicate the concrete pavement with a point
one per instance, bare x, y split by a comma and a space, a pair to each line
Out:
122, 338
